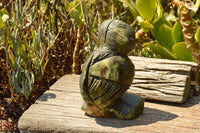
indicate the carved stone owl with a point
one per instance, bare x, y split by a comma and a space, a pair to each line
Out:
108, 73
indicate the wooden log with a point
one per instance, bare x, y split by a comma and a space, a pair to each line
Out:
165, 80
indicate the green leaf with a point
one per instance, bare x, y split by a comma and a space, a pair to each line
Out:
146, 8
76, 12
12, 58
3, 11
66, 4
28, 84
1, 23
155, 31
14, 81
165, 37
146, 26
177, 32
182, 52
197, 35
159, 13
132, 7
162, 51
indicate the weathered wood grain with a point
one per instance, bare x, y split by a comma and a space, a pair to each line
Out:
165, 80
58, 110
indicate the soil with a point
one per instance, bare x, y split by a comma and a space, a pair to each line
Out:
12, 109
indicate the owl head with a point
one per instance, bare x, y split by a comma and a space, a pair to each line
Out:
117, 36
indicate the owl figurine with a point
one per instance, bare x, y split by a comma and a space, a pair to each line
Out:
108, 73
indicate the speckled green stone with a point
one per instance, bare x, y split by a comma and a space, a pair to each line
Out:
108, 73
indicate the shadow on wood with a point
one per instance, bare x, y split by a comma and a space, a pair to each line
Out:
148, 117
47, 96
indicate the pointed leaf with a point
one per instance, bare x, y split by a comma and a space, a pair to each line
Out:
14, 82
146, 8
182, 52
45, 64
162, 51
177, 32
11, 57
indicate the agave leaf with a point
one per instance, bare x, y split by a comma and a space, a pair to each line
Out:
162, 51
197, 35
177, 32
146, 8
181, 51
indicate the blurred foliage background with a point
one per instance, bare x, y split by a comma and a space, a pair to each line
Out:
42, 40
